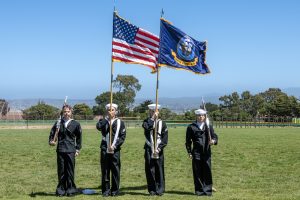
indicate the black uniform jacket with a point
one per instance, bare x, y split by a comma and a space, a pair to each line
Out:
200, 140
69, 139
103, 126
148, 130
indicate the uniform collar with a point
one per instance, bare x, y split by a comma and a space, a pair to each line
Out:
67, 122
200, 125
112, 121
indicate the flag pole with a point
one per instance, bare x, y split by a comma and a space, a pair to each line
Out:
111, 98
155, 155
111, 93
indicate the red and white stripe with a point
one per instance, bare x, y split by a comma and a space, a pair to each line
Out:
144, 50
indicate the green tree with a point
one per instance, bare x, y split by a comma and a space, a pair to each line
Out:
189, 115
272, 102
4, 108
295, 106
82, 111
210, 107
41, 111
235, 107
165, 113
124, 102
125, 83
143, 107
231, 106
250, 105
216, 115
101, 101
127, 86
276, 103
281, 106
247, 102
258, 107
270, 95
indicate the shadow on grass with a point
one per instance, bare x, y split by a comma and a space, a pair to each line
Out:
79, 192
35, 194
134, 191
142, 187
128, 190
123, 191
179, 192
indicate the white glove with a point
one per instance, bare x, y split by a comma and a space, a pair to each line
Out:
212, 142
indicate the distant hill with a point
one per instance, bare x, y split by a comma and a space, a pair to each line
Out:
21, 104
178, 105
182, 104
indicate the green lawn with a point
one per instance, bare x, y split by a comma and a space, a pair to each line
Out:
261, 163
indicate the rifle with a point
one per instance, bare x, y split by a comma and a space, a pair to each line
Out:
55, 138
206, 121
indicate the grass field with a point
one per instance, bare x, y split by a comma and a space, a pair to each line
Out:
262, 163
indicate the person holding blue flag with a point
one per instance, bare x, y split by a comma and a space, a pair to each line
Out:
156, 135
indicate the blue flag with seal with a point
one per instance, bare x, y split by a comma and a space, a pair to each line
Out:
180, 51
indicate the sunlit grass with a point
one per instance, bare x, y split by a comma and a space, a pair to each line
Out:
261, 163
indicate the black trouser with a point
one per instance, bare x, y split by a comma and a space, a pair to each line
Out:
155, 174
202, 175
65, 172
110, 163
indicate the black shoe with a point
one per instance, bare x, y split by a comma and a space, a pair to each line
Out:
105, 194
151, 193
203, 194
60, 192
115, 193
159, 194
200, 193
71, 194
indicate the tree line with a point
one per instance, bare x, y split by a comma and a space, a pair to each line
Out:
272, 103
4, 108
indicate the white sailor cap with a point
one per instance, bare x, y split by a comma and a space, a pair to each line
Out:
113, 105
200, 112
152, 106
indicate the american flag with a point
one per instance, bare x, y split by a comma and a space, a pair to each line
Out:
132, 44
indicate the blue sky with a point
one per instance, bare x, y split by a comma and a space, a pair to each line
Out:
54, 48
